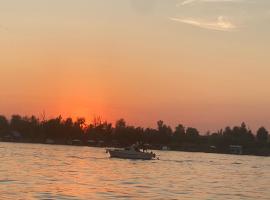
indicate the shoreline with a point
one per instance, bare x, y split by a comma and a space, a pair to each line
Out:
155, 149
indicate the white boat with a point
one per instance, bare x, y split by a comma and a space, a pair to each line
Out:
132, 152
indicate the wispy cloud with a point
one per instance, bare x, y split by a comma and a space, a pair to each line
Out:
186, 2
221, 24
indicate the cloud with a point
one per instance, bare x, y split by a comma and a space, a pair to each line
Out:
186, 2
221, 24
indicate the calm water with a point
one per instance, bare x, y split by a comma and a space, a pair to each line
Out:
31, 171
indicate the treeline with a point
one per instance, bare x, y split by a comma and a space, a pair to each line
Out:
67, 131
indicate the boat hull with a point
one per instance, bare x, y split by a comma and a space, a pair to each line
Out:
130, 155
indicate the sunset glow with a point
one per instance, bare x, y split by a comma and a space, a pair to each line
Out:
139, 60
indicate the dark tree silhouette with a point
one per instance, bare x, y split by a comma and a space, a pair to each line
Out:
262, 135
65, 131
164, 133
180, 130
192, 132
4, 125
120, 124
179, 133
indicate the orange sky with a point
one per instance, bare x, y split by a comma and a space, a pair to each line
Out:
201, 63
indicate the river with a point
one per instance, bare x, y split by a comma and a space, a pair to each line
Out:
35, 171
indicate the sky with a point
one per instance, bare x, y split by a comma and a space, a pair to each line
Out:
202, 63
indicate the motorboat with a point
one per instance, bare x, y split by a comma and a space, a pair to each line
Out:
132, 152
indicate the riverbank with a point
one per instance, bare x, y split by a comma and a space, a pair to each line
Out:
264, 151
230, 140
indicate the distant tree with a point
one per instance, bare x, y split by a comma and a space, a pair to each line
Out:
121, 132
227, 132
97, 121
3, 123
16, 123
80, 122
68, 123
160, 125
99, 131
238, 135
180, 130
68, 126
78, 129
61, 130
262, 135
192, 132
121, 123
244, 135
179, 133
54, 128
150, 136
32, 127
164, 133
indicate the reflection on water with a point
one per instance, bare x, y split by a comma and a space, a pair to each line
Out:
31, 171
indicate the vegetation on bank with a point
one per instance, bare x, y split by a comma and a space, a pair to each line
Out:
67, 131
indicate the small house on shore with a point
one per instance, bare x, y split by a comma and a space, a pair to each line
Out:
12, 136
49, 141
76, 142
236, 149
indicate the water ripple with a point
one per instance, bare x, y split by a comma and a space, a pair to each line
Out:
31, 171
